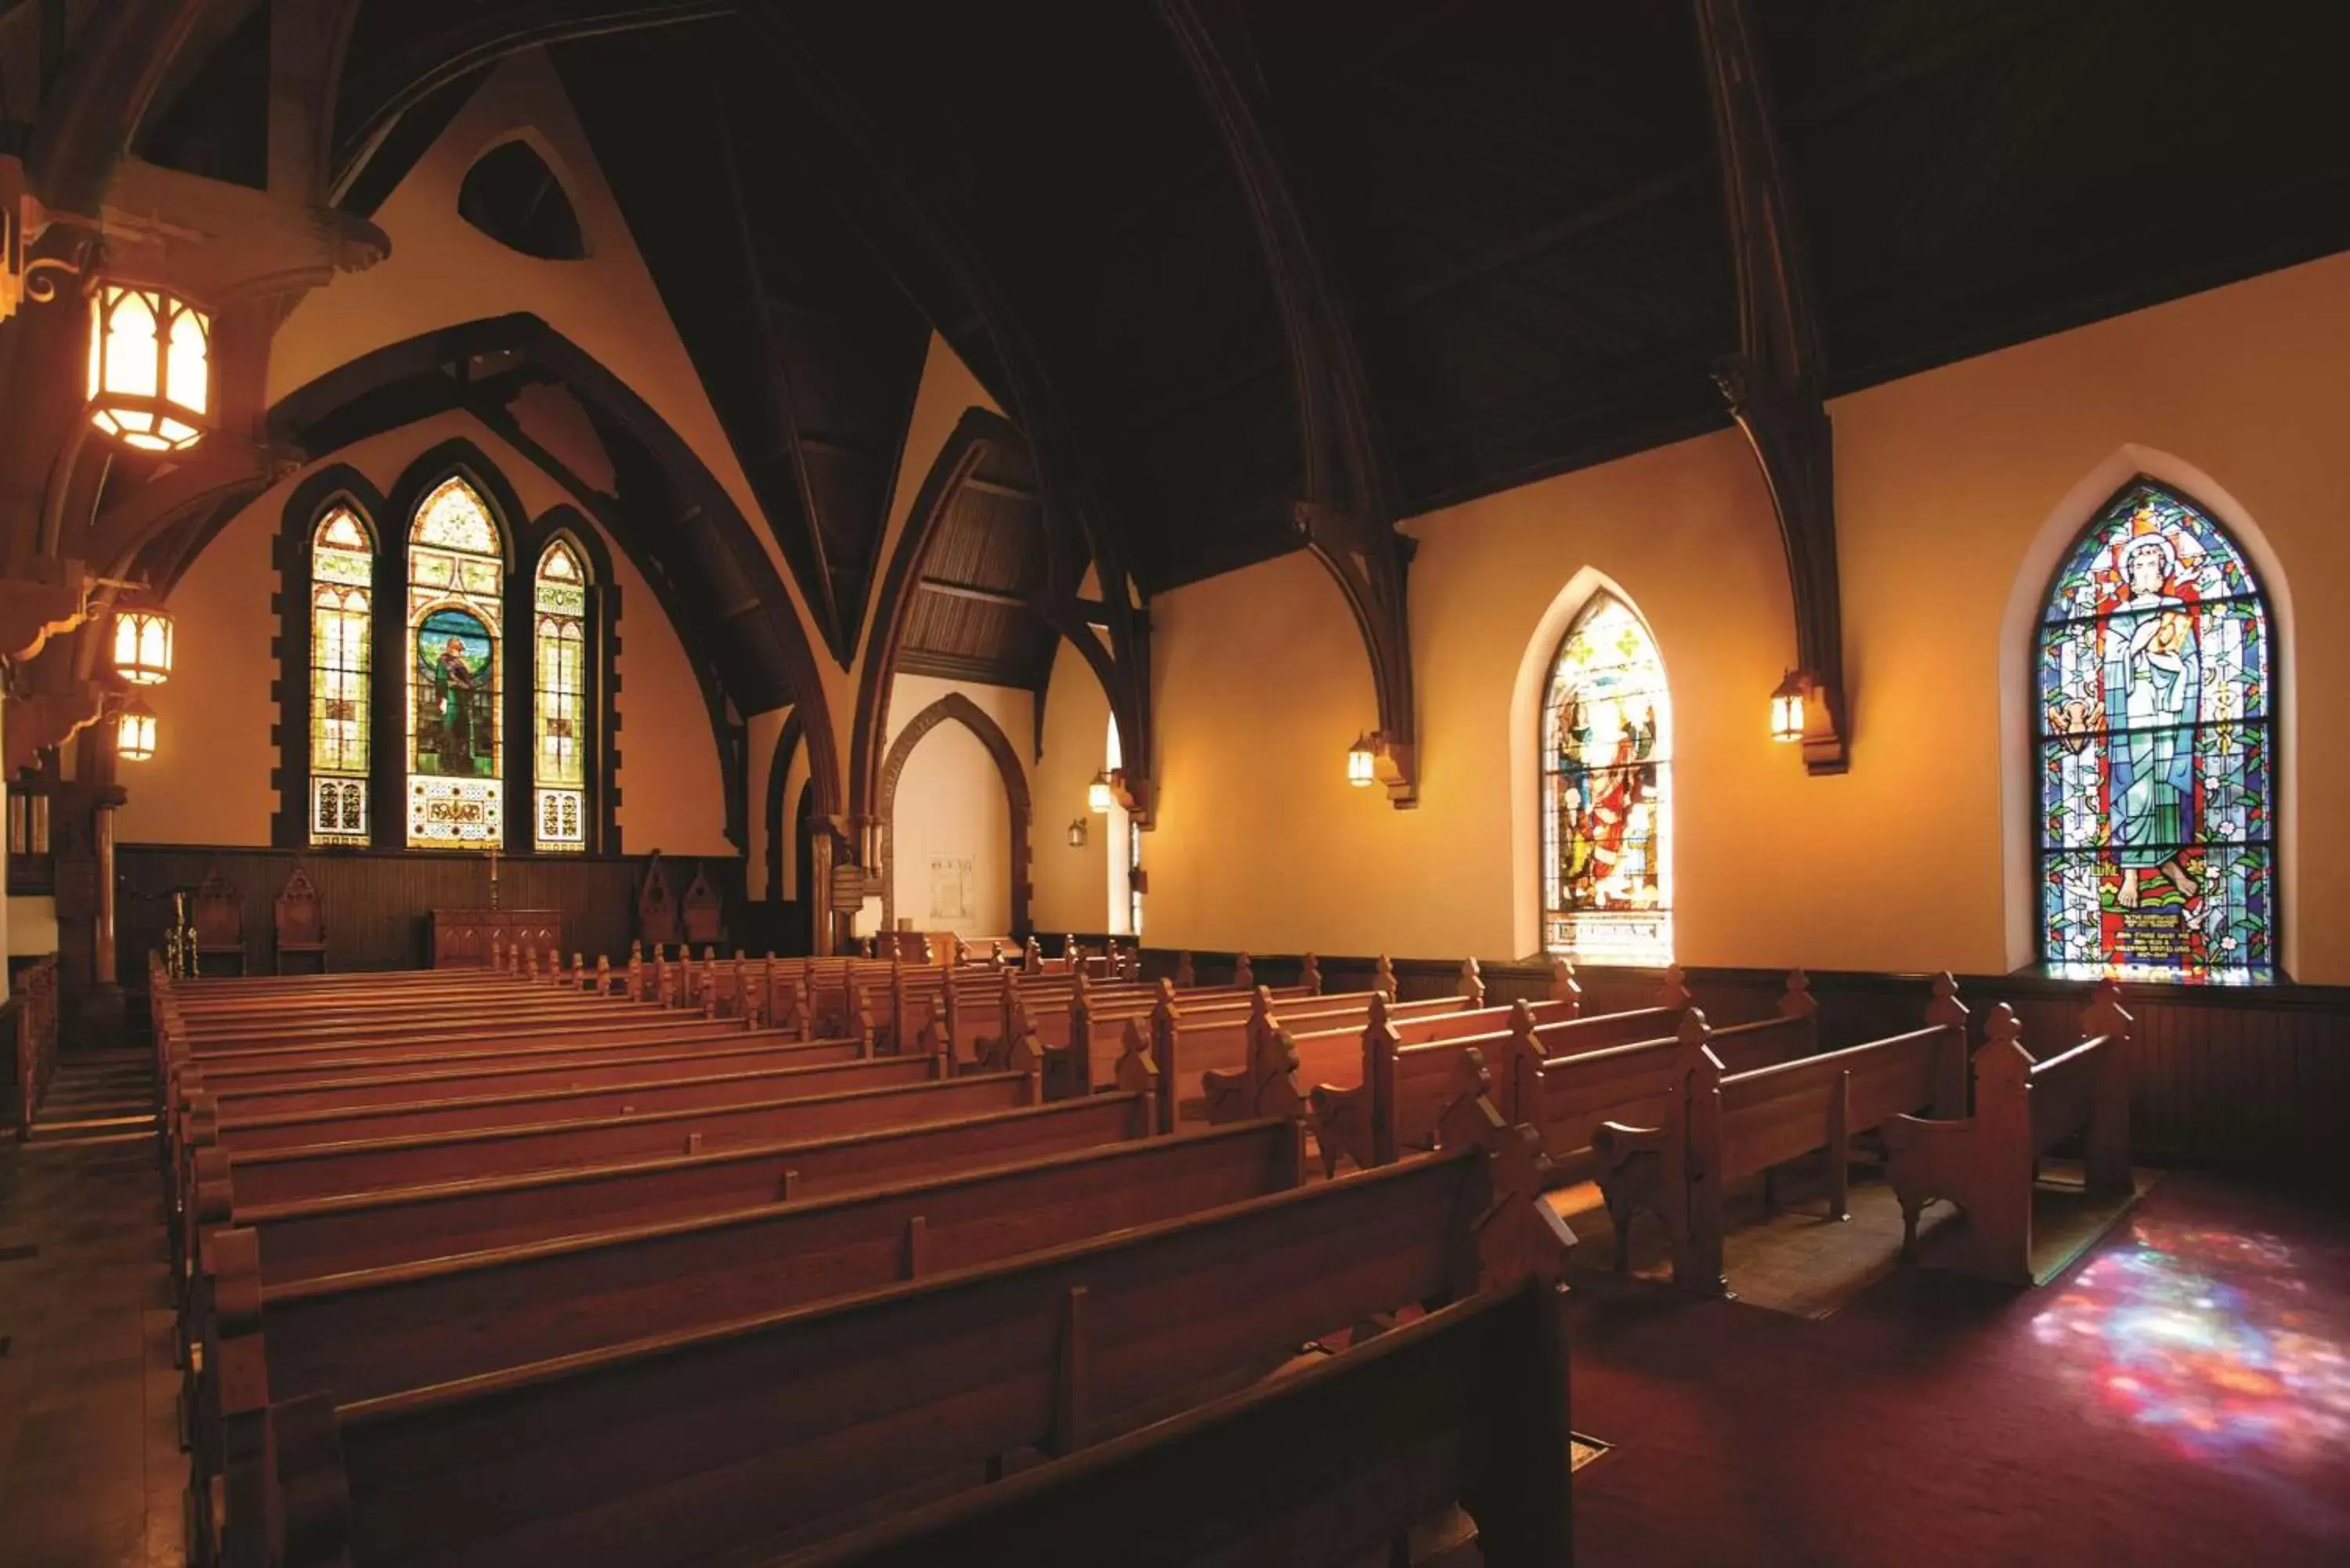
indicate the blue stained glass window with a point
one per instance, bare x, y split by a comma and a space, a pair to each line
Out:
2156, 689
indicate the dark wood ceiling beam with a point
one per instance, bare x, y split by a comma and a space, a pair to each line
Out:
1344, 510
788, 445
389, 86
1773, 381
1095, 611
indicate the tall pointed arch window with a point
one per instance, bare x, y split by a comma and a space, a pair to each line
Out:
342, 577
2156, 689
455, 582
1606, 798
560, 699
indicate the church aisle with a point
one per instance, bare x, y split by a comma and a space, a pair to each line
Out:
91, 1475
2182, 1398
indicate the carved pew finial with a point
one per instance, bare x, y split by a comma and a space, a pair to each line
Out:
1185, 976
1243, 972
1798, 1001
1564, 986
603, 974
1946, 1008
1473, 981
1309, 975
1383, 976
1673, 989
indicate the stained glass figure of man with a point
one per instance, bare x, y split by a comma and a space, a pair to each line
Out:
453, 681
2154, 683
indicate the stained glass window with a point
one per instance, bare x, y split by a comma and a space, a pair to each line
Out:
456, 577
342, 575
2157, 755
1606, 799
559, 602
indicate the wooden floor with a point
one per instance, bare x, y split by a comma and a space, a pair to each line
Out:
91, 1475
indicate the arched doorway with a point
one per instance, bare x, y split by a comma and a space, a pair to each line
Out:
954, 705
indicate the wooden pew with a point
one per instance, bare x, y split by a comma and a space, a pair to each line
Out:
1074, 1045
1717, 1124
1408, 1083
310, 1238
1467, 1405
587, 1066
374, 1332
771, 1431
1988, 1163
1267, 1062
1330, 1071
310, 1171
1211, 1042
681, 1086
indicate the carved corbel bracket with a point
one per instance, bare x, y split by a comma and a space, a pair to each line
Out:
1371, 566
52, 602
39, 721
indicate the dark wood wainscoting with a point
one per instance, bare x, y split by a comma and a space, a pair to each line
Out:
2252, 1078
376, 903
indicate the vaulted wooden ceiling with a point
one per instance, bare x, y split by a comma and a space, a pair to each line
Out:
1515, 203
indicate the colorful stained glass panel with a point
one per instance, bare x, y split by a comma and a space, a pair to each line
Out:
1606, 797
2156, 765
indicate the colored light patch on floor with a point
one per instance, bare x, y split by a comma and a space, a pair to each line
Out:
2215, 1343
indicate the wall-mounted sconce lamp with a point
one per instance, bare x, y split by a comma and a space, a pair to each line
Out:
1077, 833
1361, 759
1108, 790
1787, 708
134, 732
142, 641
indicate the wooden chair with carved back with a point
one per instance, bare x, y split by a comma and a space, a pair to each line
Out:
217, 912
656, 923
702, 912
301, 927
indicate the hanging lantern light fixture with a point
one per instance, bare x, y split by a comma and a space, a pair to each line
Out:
134, 732
1362, 759
149, 367
142, 642
1787, 708
1077, 833
1102, 793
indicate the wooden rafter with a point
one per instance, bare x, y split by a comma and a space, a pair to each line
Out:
1773, 381
1343, 513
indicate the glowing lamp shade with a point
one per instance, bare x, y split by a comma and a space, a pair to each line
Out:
1787, 708
1077, 833
1360, 760
1100, 796
150, 367
142, 645
134, 734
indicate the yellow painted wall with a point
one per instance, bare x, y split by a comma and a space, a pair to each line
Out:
1956, 488
209, 780
1071, 887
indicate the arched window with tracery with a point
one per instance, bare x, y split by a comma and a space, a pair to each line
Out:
1606, 796
2155, 684
456, 579
560, 699
342, 578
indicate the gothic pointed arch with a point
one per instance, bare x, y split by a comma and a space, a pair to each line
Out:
1605, 791
960, 708
2155, 687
